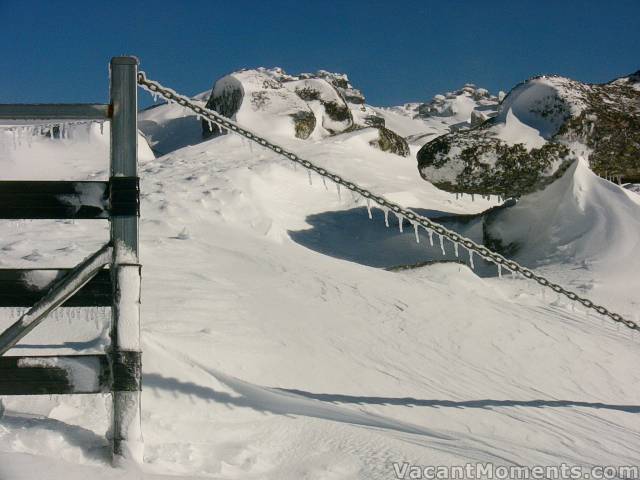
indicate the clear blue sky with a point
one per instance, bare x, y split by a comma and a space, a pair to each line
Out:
395, 51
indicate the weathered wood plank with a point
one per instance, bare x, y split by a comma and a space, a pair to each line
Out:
56, 295
46, 375
24, 287
54, 111
54, 200
125, 327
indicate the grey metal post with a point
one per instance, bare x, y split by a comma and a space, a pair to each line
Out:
125, 352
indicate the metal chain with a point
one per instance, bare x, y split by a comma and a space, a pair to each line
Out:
211, 116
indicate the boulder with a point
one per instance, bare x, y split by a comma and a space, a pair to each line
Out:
391, 142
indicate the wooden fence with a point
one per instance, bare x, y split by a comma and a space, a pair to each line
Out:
110, 277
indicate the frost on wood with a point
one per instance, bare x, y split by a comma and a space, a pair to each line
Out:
60, 292
82, 372
126, 430
127, 310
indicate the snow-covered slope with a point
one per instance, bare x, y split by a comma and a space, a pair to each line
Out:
274, 347
168, 127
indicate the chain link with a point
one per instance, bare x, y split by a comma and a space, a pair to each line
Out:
211, 116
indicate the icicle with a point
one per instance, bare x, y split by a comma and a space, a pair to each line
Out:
310, 179
455, 248
415, 230
430, 232
369, 208
400, 221
442, 244
338, 189
499, 270
324, 182
386, 217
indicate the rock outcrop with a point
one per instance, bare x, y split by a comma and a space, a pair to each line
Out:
542, 126
270, 101
389, 141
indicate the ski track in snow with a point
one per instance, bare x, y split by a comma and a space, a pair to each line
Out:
267, 359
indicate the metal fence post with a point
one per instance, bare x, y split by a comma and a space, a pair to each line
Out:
125, 352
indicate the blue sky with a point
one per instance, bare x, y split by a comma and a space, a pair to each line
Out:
395, 51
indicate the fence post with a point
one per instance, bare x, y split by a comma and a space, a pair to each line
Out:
125, 351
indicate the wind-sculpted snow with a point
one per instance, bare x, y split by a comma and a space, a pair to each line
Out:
542, 126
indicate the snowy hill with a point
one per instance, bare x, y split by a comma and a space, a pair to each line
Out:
277, 345
543, 126
314, 106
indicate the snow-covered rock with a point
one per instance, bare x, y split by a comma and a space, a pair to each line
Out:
259, 100
543, 125
272, 102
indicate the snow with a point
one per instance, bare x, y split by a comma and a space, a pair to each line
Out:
276, 345
513, 131
581, 220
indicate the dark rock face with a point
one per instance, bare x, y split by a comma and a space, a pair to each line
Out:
568, 119
374, 121
338, 112
227, 103
391, 142
308, 94
305, 123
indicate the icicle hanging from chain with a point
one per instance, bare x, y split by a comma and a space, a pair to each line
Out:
338, 190
369, 208
415, 230
442, 244
310, 179
400, 221
499, 270
471, 260
455, 248
386, 217
30, 134
430, 232
324, 182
